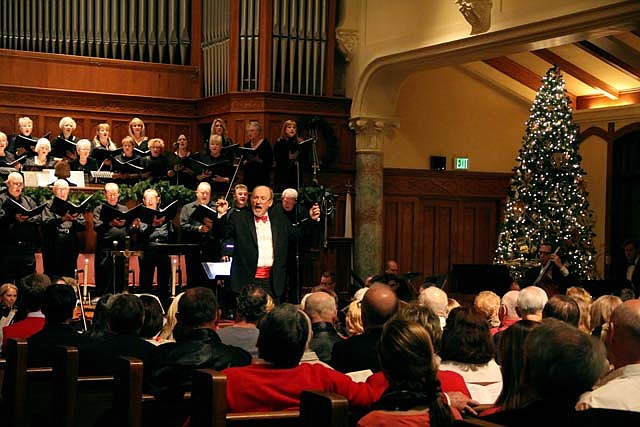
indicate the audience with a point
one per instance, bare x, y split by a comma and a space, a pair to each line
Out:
153, 319
600, 314
58, 305
488, 303
353, 319
251, 306
276, 380
414, 395
436, 299
508, 313
8, 306
560, 363
358, 352
620, 388
584, 301
167, 333
197, 345
467, 349
531, 302
321, 309
32, 288
126, 317
563, 308
100, 322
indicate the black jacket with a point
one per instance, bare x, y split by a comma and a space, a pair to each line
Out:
202, 348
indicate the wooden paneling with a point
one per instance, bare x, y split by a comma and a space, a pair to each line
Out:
97, 75
453, 219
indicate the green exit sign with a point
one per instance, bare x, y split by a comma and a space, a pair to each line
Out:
461, 163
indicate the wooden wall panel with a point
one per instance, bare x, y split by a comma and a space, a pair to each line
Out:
455, 218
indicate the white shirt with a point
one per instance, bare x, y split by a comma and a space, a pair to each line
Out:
483, 381
265, 243
618, 390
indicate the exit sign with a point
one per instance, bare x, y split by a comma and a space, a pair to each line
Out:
461, 163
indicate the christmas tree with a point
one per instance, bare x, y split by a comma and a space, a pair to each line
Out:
547, 200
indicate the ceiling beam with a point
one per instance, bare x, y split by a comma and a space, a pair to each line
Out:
627, 97
614, 53
577, 72
520, 73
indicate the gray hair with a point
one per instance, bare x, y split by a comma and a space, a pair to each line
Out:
434, 298
531, 300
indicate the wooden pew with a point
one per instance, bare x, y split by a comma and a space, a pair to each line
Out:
209, 407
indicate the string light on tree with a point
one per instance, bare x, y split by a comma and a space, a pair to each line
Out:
547, 200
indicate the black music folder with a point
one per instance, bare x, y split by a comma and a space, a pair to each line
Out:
147, 215
203, 211
129, 166
109, 213
208, 166
101, 154
25, 142
11, 207
142, 153
5, 164
61, 207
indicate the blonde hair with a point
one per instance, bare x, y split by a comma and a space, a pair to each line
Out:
224, 126
584, 300
23, 121
601, 309
5, 288
137, 121
284, 127
65, 120
488, 303
354, 318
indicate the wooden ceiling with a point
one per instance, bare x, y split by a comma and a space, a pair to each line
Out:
601, 72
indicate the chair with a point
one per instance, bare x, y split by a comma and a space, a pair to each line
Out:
27, 392
209, 403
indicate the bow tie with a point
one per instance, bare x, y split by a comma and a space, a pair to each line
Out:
262, 218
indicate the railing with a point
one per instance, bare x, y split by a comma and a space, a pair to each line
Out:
140, 30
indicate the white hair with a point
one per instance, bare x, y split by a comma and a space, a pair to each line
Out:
531, 300
434, 298
290, 192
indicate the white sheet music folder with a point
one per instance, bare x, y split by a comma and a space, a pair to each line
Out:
216, 269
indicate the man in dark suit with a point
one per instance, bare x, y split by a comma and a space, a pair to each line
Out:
628, 268
359, 352
556, 274
257, 239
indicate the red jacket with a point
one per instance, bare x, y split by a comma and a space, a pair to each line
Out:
22, 329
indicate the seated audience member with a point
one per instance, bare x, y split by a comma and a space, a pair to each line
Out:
353, 319
531, 302
488, 303
453, 384
251, 306
8, 307
276, 380
599, 314
414, 396
397, 283
436, 299
32, 288
321, 309
153, 319
467, 348
508, 313
510, 353
358, 352
451, 304
197, 345
563, 308
126, 317
584, 300
100, 322
560, 363
620, 388
57, 307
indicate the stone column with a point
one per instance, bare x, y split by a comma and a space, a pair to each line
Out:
368, 234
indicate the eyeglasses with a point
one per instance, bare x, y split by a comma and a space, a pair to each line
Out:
544, 253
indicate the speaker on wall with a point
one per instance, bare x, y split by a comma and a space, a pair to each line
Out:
438, 163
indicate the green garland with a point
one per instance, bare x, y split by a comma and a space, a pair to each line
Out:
167, 192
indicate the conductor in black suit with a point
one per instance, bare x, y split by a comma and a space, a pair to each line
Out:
257, 239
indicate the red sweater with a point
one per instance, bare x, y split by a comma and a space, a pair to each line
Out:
257, 388
22, 329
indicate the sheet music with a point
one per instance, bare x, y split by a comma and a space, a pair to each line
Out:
215, 269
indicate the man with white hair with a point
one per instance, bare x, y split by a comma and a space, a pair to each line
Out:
508, 312
61, 246
531, 302
436, 299
19, 232
321, 309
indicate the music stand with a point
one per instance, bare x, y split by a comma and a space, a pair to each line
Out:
178, 249
126, 254
217, 271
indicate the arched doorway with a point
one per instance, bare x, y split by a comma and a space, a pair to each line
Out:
625, 196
